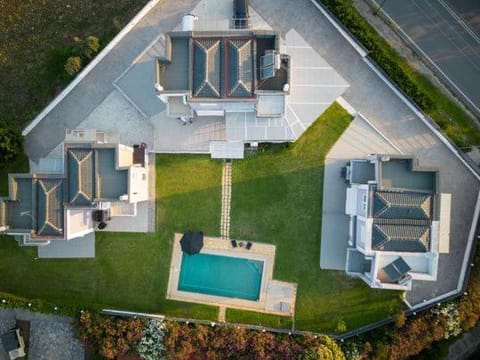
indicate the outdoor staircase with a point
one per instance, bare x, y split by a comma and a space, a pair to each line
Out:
226, 200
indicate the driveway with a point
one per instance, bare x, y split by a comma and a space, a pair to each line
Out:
448, 33
369, 95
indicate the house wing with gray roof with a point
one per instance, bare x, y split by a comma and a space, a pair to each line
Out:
240, 67
207, 67
402, 205
406, 237
81, 182
49, 204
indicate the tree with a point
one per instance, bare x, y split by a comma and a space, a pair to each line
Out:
11, 142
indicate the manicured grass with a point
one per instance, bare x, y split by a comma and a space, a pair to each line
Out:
130, 270
36, 39
257, 318
277, 198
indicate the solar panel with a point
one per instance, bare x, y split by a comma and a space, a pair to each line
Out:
392, 272
402, 266
267, 72
267, 59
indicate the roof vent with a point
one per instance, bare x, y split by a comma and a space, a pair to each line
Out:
187, 22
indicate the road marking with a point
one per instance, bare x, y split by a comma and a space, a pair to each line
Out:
431, 61
460, 21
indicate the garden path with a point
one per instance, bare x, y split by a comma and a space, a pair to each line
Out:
226, 200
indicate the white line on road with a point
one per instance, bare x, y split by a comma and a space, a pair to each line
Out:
430, 60
460, 21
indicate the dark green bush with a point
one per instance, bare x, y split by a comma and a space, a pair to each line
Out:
11, 142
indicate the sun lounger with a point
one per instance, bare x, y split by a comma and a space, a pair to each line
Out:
234, 243
249, 245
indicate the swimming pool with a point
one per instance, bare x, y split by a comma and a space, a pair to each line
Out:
221, 276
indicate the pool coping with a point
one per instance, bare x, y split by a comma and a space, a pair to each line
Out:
217, 246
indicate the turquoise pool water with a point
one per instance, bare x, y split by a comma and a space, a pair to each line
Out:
221, 276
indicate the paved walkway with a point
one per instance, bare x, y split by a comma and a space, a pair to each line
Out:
226, 200
374, 99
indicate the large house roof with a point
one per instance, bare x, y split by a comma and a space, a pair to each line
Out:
223, 67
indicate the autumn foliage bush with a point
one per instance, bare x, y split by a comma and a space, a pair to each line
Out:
184, 341
109, 336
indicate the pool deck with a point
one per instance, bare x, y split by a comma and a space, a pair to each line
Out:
276, 297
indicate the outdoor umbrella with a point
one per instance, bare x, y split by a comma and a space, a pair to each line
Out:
192, 242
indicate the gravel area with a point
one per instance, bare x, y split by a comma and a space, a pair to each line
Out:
51, 337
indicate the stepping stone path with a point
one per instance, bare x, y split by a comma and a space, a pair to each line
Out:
222, 310
226, 200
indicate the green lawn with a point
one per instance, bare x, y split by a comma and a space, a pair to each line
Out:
130, 270
277, 195
277, 198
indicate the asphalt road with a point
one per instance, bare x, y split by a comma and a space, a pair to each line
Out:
448, 33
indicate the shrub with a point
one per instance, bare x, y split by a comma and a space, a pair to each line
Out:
341, 326
18, 302
449, 315
11, 142
151, 345
224, 342
400, 319
73, 65
110, 336
93, 45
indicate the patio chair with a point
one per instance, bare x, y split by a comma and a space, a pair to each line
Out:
249, 245
234, 243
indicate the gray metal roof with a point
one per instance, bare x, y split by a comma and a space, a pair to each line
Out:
402, 205
207, 67
400, 237
81, 182
240, 68
362, 171
50, 206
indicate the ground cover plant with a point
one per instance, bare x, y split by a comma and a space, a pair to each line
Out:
277, 198
453, 121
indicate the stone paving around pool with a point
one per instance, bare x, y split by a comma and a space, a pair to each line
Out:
276, 297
